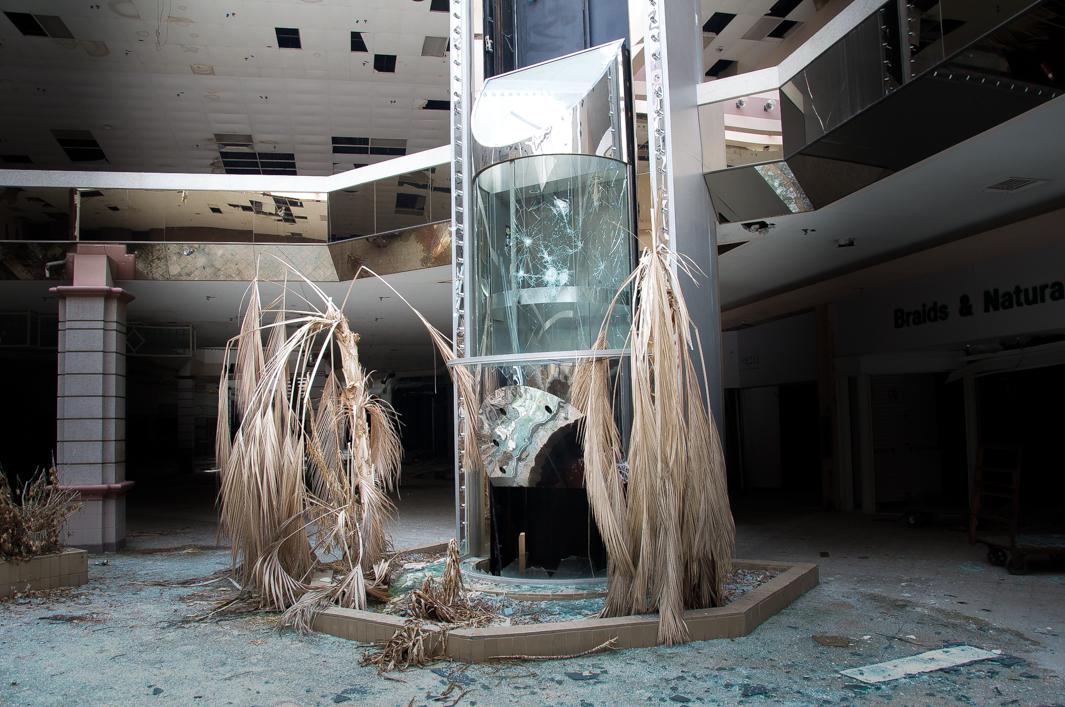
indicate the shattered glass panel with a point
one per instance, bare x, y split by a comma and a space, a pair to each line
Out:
553, 246
782, 181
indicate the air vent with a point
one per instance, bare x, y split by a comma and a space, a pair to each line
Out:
434, 46
761, 28
384, 63
215, 209
80, 145
288, 38
358, 44
1015, 184
717, 22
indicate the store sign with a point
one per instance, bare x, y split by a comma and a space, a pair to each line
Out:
993, 300
1013, 295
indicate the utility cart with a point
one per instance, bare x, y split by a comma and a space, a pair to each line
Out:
995, 518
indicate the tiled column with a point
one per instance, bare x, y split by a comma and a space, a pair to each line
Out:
91, 403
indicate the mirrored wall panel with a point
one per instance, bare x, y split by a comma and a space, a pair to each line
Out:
36, 214
122, 215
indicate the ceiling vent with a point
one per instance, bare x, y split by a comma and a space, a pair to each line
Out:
434, 46
1015, 184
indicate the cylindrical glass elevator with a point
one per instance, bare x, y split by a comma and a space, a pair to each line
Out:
551, 246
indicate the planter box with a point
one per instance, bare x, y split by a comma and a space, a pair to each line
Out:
738, 618
68, 568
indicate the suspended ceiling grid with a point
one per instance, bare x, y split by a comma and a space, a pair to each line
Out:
154, 82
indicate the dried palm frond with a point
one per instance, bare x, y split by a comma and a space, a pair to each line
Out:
452, 588
300, 479
410, 645
293, 470
670, 535
447, 601
606, 495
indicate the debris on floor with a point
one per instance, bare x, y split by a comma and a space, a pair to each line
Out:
833, 641
927, 662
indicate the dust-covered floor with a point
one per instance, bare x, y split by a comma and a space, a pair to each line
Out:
887, 591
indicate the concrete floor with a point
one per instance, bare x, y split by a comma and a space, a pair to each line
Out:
893, 590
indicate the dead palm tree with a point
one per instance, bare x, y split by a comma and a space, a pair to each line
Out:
669, 531
304, 483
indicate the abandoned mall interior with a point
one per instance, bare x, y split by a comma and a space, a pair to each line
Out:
855, 209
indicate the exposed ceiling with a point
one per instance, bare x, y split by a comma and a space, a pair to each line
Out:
942, 198
752, 34
157, 84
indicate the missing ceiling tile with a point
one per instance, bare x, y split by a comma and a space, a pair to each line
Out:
783, 29
202, 69
782, 8
358, 44
27, 24
79, 145
54, 26
288, 38
717, 22
762, 27
384, 63
720, 67
434, 46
